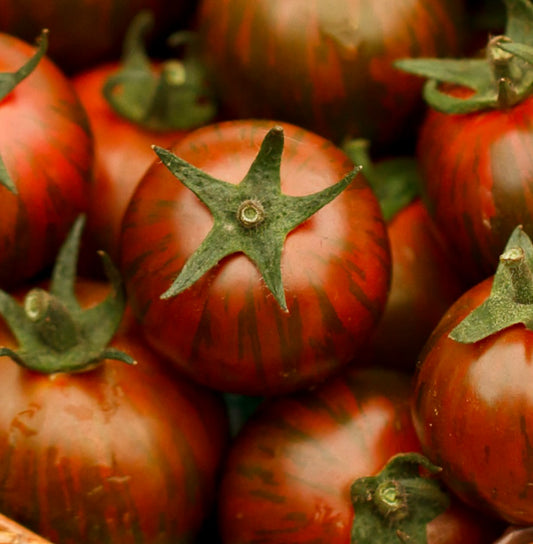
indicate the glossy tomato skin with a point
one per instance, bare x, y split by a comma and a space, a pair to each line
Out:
123, 153
120, 453
473, 412
288, 474
477, 176
47, 148
326, 65
84, 33
424, 285
227, 331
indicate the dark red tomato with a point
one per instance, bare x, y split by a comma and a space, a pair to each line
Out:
123, 153
227, 330
326, 65
424, 285
47, 148
119, 453
289, 472
478, 185
84, 33
474, 412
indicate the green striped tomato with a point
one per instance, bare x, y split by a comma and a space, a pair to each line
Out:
227, 330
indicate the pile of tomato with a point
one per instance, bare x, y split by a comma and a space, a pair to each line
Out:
266, 274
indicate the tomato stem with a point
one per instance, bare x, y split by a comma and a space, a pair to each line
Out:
174, 97
53, 332
398, 502
511, 298
499, 81
252, 217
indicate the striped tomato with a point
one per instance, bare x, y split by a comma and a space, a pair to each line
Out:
290, 472
46, 158
93, 449
326, 64
272, 304
475, 145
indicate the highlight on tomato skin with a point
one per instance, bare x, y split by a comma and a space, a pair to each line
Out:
228, 330
473, 407
289, 472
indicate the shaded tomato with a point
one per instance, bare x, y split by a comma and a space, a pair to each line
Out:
289, 472
323, 65
47, 149
227, 330
85, 33
424, 284
118, 453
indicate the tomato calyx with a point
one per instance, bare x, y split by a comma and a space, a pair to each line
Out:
253, 217
173, 98
511, 298
53, 332
8, 81
397, 504
499, 81
395, 182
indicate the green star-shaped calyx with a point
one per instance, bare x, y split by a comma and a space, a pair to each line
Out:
53, 332
253, 217
500, 80
511, 297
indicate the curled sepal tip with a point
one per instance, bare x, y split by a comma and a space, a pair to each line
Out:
397, 504
511, 298
252, 217
54, 333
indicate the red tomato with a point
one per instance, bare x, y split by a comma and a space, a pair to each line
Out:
47, 149
326, 65
85, 33
474, 412
118, 453
227, 330
289, 472
478, 185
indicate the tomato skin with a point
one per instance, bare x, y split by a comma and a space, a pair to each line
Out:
474, 412
123, 153
326, 65
288, 473
47, 148
424, 285
83, 33
120, 453
227, 331
478, 185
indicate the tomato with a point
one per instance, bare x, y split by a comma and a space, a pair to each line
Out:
474, 146
171, 102
85, 33
473, 408
326, 66
47, 150
230, 330
112, 452
425, 281
289, 472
